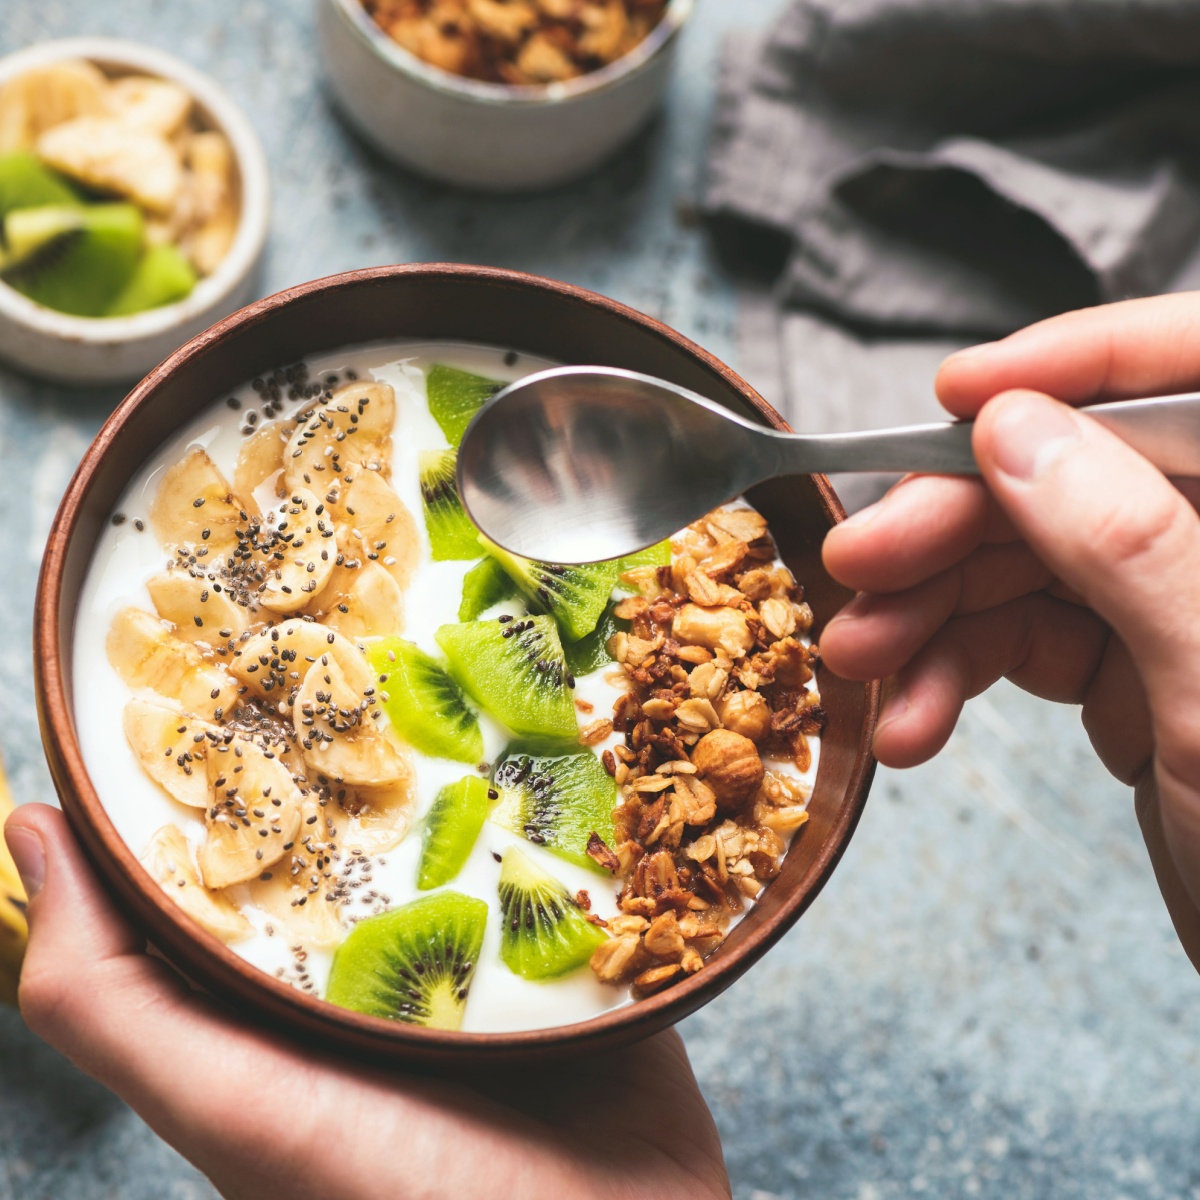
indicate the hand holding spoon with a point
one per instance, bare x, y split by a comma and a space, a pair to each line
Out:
582, 464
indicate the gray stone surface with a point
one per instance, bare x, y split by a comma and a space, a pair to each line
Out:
988, 999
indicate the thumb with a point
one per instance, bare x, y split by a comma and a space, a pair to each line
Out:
90, 990
1113, 529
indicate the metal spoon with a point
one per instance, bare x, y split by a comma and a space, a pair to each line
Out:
581, 464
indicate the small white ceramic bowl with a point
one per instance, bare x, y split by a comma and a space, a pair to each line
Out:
490, 135
89, 350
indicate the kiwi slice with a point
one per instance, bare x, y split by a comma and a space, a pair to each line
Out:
591, 653
575, 595
485, 584
455, 396
514, 668
557, 801
544, 932
451, 828
451, 533
74, 259
26, 183
658, 555
413, 964
424, 704
162, 276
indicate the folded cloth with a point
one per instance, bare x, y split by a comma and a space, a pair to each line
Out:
917, 174
964, 166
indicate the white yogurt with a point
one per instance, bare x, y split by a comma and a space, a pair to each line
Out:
125, 559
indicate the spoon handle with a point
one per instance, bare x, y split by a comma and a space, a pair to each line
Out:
1165, 430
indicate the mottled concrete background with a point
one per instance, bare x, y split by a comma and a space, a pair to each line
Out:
987, 1000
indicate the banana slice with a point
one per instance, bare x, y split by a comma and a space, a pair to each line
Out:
273, 663
168, 859
201, 609
254, 817
354, 430
172, 748
194, 506
149, 104
14, 931
48, 96
171, 228
379, 817
256, 478
375, 526
360, 604
302, 889
146, 654
301, 557
106, 154
344, 735
213, 185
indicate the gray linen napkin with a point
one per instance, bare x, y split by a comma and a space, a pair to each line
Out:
927, 173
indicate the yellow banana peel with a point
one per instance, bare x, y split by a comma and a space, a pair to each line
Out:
14, 931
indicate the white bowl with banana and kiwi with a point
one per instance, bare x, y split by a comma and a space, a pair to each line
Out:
356, 766
133, 208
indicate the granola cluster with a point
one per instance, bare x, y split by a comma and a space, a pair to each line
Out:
716, 675
517, 41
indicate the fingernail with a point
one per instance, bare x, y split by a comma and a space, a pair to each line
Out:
968, 352
1030, 434
30, 856
864, 516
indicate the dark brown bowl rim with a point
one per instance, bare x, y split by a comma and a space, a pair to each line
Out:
84, 808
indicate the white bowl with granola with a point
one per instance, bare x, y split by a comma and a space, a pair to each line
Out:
134, 202
506, 95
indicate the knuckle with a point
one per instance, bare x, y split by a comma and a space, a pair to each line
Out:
1125, 535
47, 1000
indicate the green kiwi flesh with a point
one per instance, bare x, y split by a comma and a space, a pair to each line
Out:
658, 555
544, 933
75, 259
514, 668
576, 596
162, 276
26, 183
455, 396
451, 534
28, 230
591, 653
485, 584
413, 964
557, 801
425, 705
451, 829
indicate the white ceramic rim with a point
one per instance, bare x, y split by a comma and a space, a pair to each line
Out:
251, 235
511, 94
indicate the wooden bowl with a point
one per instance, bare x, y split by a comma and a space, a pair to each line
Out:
474, 304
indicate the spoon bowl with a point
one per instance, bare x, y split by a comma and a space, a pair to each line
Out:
582, 464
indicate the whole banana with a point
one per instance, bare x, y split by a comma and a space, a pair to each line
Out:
14, 931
